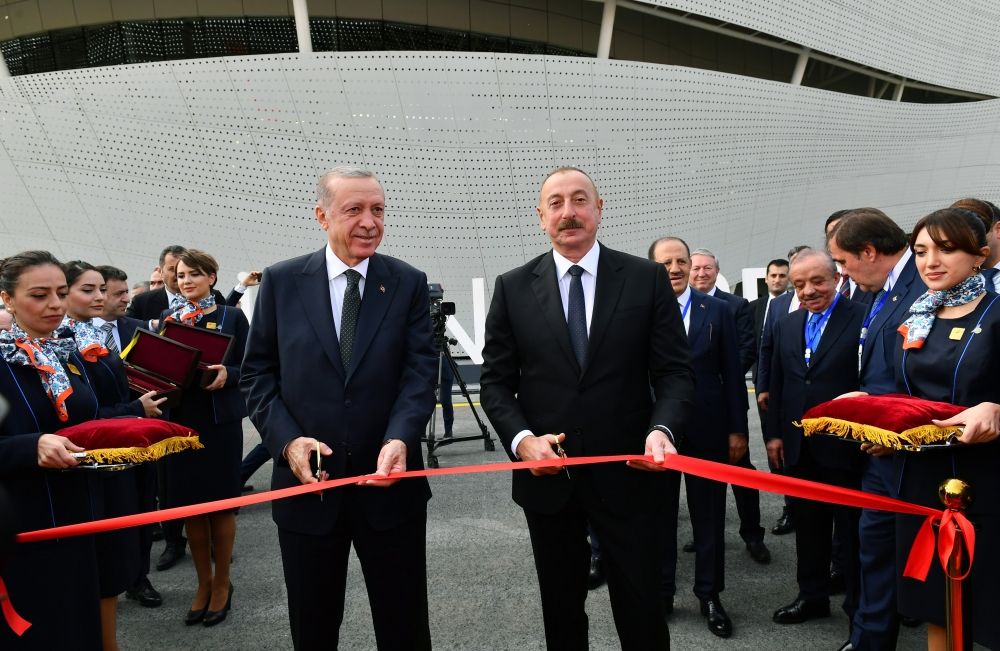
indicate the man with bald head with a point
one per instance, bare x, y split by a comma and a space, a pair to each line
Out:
585, 353
815, 360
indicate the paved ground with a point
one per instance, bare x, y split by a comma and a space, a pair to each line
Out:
483, 592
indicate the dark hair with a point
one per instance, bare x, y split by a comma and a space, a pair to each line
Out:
777, 262
863, 226
201, 261
832, 218
75, 268
112, 273
175, 250
652, 247
955, 229
11, 268
569, 168
792, 252
984, 210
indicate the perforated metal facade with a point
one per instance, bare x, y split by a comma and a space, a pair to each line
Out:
951, 44
110, 164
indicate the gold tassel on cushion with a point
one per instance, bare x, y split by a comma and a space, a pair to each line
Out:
139, 455
914, 437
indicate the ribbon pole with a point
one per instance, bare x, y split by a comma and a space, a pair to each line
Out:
956, 495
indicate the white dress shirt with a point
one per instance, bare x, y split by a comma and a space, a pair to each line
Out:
996, 279
99, 323
589, 281
335, 269
682, 300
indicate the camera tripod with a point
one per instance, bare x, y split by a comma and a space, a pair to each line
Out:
442, 343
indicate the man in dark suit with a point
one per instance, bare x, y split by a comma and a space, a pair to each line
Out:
704, 275
720, 412
874, 251
585, 351
814, 361
318, 383
776, 278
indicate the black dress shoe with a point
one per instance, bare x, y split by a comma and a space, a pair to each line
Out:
910, 622
688, 547
800, 611
195, 616
145, 594
213, 617
783, 525
157, 532
837, 582
172, 553
596, 577
759, 551
718, 621
846, 646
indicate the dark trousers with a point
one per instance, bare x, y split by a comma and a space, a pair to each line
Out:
562, 560
173, 531
748, 506
815, 522
707, 507
255, 458
145, 477
876, 623
778, 471
394, 563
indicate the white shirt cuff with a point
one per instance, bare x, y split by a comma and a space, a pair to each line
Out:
520, 436
240, 288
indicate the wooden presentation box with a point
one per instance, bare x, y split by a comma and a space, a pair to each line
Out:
156, 363
214, 346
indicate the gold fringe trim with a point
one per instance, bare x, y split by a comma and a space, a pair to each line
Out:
913, 437
152, 453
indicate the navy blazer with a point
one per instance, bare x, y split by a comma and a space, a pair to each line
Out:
740, 309
795, 388
878, 373
296, 385
779, 308
720, 393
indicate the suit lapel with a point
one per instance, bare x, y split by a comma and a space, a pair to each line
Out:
546, 289
607, 291
380, 287
893, 303
699, 315
314, 291
797, 340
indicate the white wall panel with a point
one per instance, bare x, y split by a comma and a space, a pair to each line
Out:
111, 164
946, 43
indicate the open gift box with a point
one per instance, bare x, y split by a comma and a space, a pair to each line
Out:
214, 346
155, 363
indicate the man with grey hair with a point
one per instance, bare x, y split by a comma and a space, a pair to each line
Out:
815, 360
331, 400
703, 276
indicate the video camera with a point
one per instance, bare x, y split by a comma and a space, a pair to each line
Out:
440, 311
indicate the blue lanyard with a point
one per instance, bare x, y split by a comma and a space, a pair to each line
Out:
812, 343
876, 308
687, 306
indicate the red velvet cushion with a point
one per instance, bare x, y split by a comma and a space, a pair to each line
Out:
123, 432
893, 412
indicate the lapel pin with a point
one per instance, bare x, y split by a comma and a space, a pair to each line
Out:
381, 289
894, 298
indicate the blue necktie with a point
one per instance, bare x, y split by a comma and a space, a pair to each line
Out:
812, 327
576, 317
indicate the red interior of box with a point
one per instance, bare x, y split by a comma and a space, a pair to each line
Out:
144, 383
162, 356
213, 345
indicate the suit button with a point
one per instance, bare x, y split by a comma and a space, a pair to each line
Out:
808, 381
347, 403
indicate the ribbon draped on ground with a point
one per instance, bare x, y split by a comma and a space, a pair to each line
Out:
708, 469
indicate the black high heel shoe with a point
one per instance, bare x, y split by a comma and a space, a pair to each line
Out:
195, 616
213, 617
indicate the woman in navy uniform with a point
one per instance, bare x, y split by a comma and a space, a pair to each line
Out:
52, 584
114, 493
216, 412
949, 351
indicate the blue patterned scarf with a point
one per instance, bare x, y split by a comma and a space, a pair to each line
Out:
46, 355
191, 312
922, 313
89, 338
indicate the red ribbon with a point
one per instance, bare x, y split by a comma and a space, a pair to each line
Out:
17, 623
951, 524
721, 472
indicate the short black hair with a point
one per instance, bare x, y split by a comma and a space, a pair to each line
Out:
777, 262
863, 226
175, 250
112, 273
652, 247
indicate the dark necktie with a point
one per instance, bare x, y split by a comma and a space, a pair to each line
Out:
109, 338
845, 291
576, 315
349, 316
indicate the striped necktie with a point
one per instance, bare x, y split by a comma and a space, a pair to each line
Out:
109, 338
